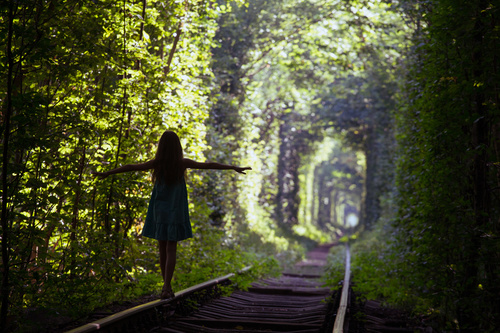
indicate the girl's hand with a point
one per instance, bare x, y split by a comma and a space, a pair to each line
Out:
242, 170
101, 175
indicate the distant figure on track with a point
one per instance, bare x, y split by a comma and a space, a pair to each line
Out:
167, 219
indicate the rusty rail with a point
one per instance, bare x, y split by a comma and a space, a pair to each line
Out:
123, 315
342, 310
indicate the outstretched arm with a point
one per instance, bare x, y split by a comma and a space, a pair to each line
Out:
126, 168
190, 164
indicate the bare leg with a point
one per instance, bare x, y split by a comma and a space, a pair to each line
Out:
162, 245
170, 262
168, 258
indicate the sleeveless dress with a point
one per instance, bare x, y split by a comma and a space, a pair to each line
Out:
168, 213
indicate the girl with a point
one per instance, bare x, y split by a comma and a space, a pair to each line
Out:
167, 219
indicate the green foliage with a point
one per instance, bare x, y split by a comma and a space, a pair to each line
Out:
333, 188
448, 207
281, 68
374, 264
89, 86
335, 271
437, 253
263, 267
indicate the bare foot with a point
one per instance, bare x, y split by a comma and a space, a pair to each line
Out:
167, 293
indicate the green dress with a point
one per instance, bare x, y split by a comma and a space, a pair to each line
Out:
168, 213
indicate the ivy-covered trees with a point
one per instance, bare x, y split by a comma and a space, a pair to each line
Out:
448, 166
440, 226
285, 66
89, 85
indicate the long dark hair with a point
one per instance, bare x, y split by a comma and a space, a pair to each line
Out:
168, 168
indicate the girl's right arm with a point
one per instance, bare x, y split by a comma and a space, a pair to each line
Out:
190, 164
126, 168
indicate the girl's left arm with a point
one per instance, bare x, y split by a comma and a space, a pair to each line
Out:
190, 164
126, 168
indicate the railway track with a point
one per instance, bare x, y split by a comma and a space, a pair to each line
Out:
294, 303
288, 304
